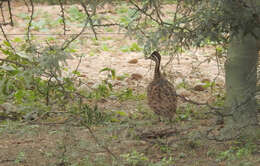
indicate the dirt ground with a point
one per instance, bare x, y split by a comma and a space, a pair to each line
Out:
47, 144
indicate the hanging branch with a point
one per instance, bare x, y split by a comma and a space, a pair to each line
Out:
26, 4
10, 13
216, 109
143, 11
92, 25
63, 17
67, 42
30, 23
14, 62
2, 13
6, 38
90, 19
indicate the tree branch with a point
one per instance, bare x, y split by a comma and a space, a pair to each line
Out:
90, 19
14, 62
6, 38
30, 23
63, 17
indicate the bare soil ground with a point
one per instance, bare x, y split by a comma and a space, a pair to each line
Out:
133, 135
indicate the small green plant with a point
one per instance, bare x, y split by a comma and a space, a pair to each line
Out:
186, 114
125, 49
129, 94
111, 73
105, 47
208, 84
125, 94
122, 9
95, 42
247, 149
134, 48
20, 158
220, 50
225, 155
165, 149
135, 159
75, 14
183, 84
24, 16
237, 151
106, 38
103, 90
108, 29
166, 161
90, 115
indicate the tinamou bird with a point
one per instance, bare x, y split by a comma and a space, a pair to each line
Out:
161, 94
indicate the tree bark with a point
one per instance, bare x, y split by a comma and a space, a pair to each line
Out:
241, 78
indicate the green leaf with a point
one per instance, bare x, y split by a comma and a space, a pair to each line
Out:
121, 113
135, 47
8, 68
105, 69
17, 40
23, 55
112, 71
105, 47
7, 43
125, 49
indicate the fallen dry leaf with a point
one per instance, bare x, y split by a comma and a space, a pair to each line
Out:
136, 76
133, 61
199, 88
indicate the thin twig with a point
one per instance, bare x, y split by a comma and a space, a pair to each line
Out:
197, 103
90, 19
67, 43
146, 14
26, 4
105, 25
14, 62
2, 12
77, 67
157, 9
216, 109
6, 38
97, 141
30, 23
10, 13
63, 17
160, 22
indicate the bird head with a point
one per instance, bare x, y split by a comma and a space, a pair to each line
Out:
155, 56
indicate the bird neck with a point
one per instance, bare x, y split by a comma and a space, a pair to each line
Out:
157, 72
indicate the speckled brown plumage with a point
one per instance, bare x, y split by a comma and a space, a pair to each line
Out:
161, 93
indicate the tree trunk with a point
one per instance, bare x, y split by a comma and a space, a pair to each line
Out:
241, 78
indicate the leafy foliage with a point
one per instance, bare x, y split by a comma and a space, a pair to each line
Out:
30, 77
92, 116
193, 23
